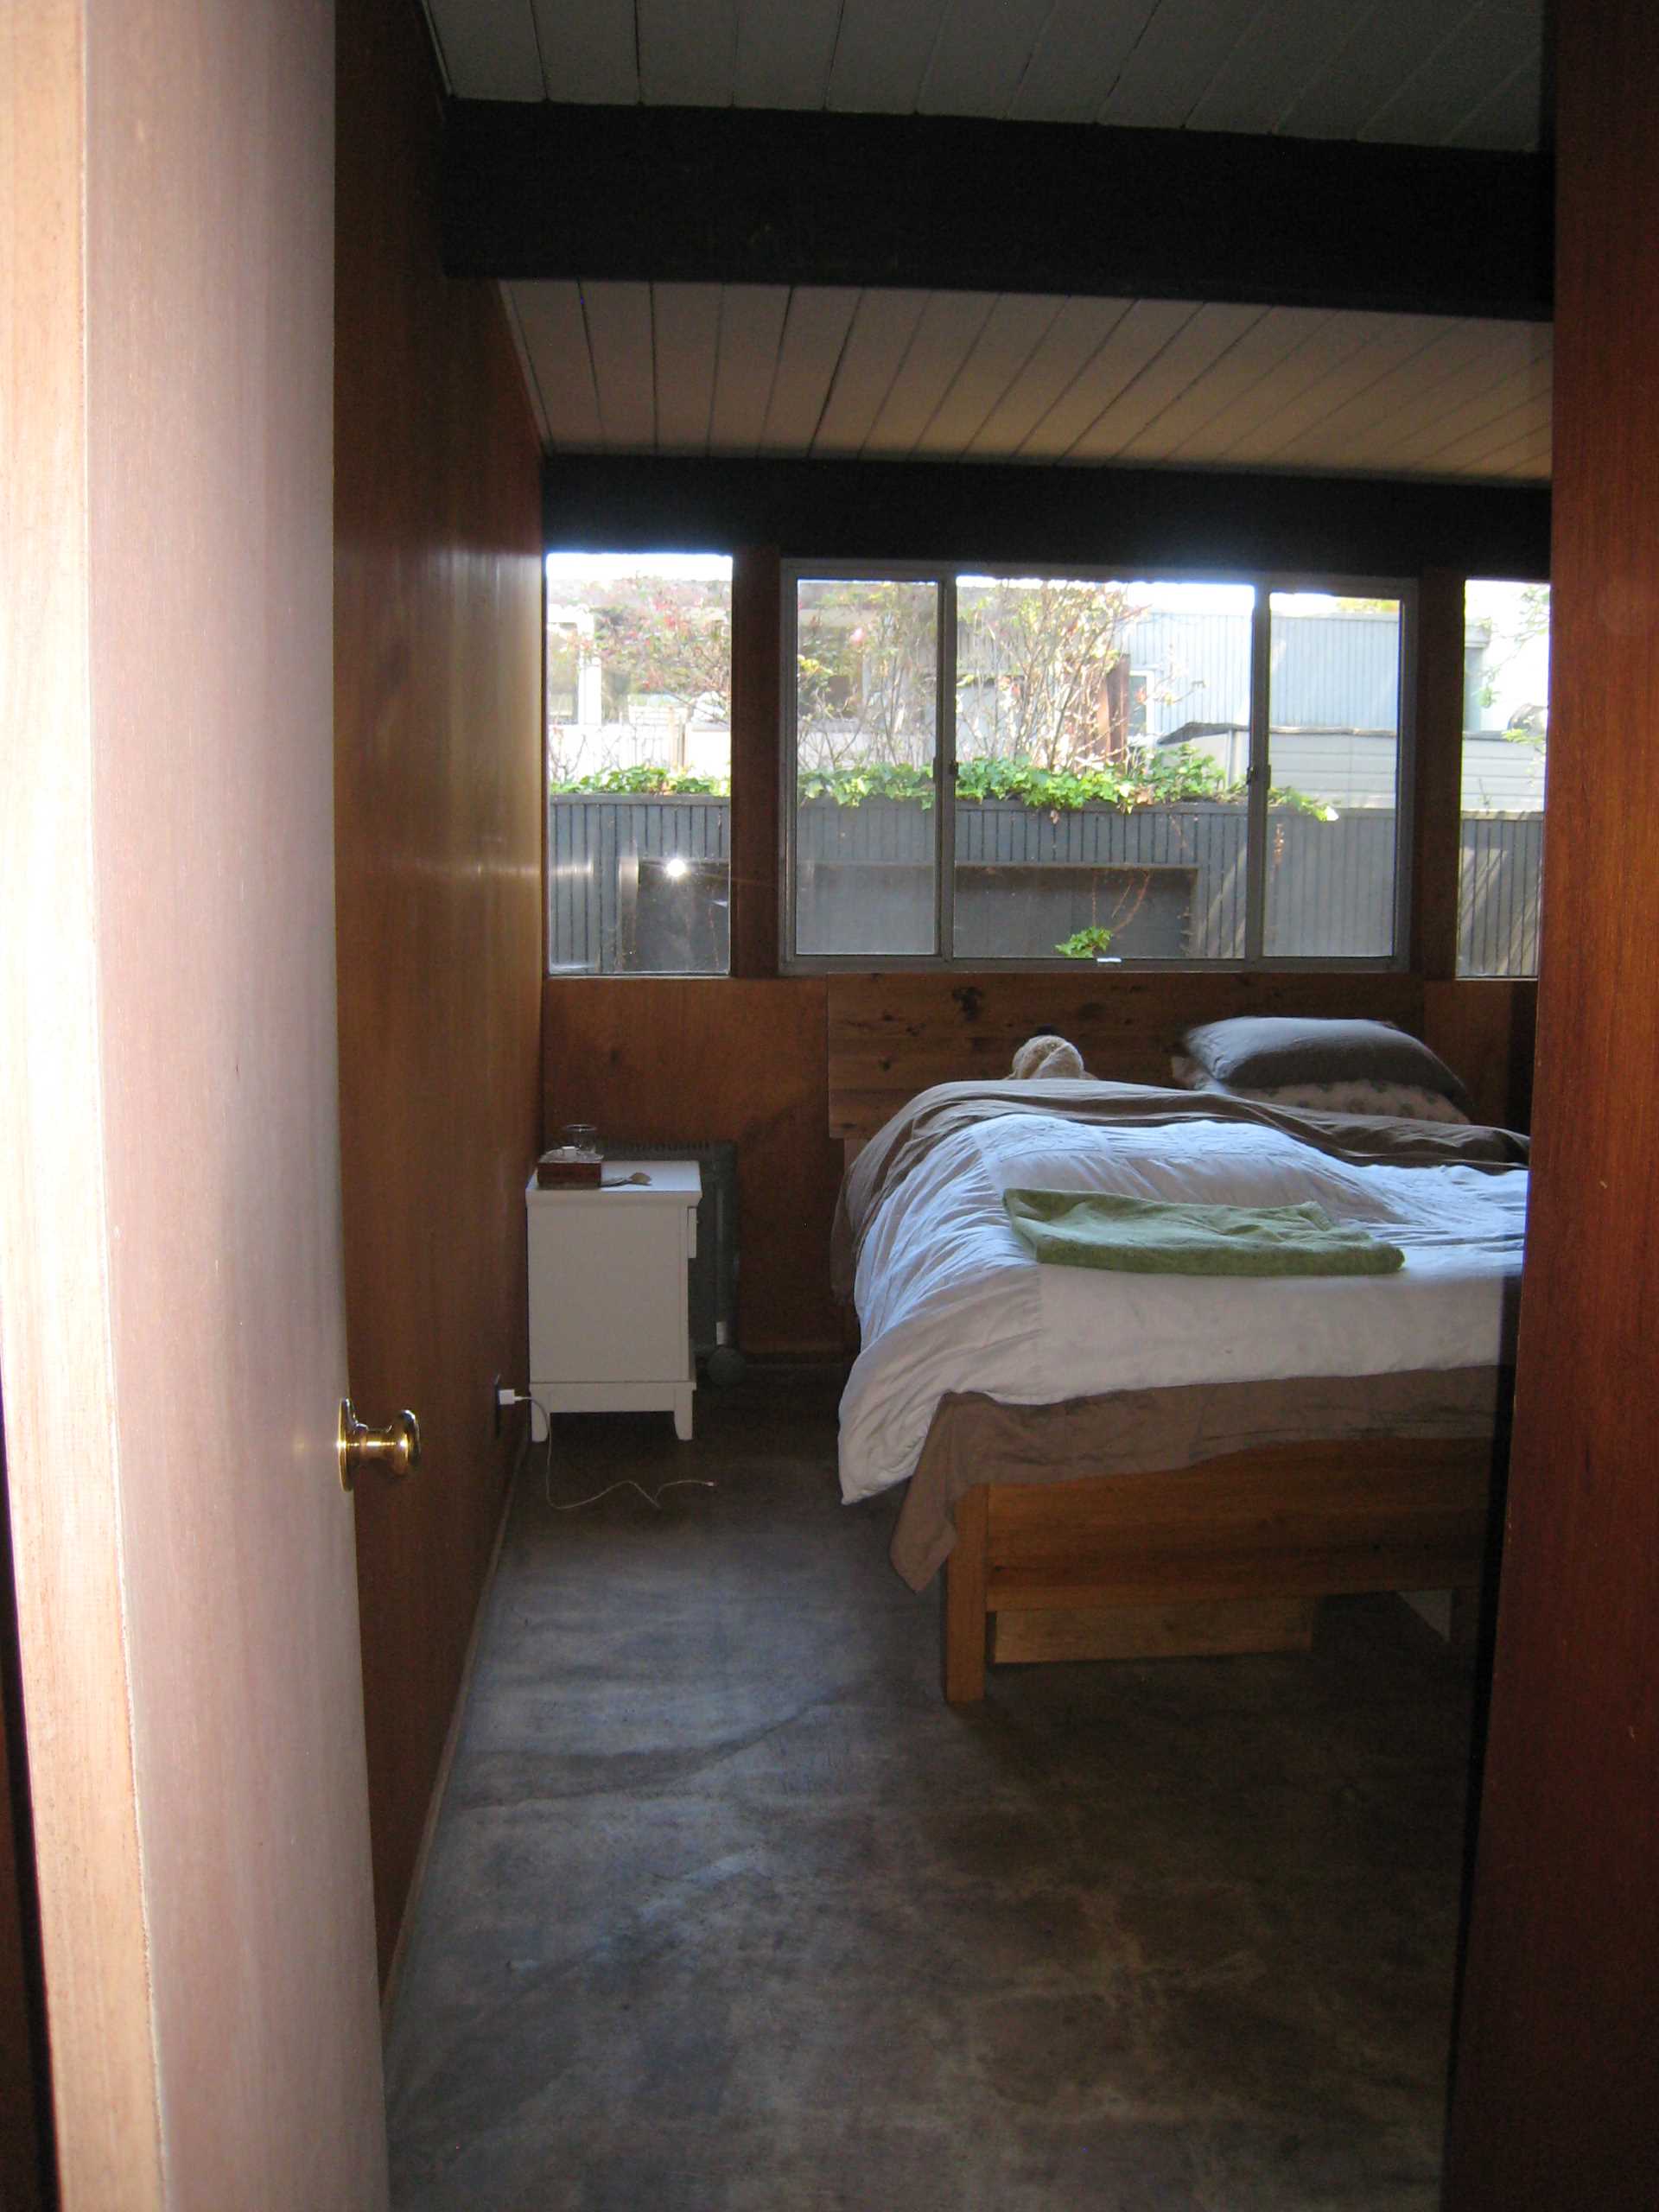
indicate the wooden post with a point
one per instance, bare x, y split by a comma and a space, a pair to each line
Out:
755, 616
1556, 2093
964, 1601
1437, 802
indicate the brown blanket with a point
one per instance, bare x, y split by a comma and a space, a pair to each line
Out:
974, 1438
1361, 1139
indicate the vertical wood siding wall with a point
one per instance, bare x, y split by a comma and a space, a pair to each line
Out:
1556, 2092
439, 834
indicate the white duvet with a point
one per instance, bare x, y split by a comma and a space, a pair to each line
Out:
949, 1298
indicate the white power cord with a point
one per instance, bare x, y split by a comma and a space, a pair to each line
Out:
504, 1397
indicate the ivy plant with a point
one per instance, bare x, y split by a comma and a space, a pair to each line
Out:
1172, 778
644, 781
1085, 944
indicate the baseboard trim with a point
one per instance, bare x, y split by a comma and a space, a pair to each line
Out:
452, 1738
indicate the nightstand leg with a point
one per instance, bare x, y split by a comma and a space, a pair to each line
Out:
683, 1414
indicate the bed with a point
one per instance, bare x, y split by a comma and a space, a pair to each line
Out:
1112, 1465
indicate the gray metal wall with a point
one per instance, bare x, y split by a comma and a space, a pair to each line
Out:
865, 882
1500, 889
1196, 668
595, 849
1340, 671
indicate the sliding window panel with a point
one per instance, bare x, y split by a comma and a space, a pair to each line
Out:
1332, 856
866, 767
1505, 715
1102, 747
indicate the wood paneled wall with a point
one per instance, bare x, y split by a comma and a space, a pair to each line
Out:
438, 603
1486, 1031
773, 1065
892, 1035
661, 1059
756, 614
1557, 2097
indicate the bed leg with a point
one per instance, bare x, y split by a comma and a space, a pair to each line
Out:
964, 1601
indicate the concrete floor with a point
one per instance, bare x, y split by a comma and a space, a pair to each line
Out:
728, 1912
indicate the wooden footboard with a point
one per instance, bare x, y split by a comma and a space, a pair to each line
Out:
1230, 1556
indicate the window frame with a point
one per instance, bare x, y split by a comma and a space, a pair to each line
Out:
1265, 583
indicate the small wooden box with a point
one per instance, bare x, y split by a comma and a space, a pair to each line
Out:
568, 1174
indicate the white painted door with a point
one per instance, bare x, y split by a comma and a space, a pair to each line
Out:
171, 1322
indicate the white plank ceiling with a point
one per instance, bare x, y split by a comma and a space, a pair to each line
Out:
1431, 72
733, 369
738, 369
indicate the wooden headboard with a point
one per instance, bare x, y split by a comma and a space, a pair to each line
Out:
892, 1035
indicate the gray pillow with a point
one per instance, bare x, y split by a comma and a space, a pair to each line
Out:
1263, 1050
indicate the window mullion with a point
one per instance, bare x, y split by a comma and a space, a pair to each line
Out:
1257, 785
789, 767
1405, 777
944, 771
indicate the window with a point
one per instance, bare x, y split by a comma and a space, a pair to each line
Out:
1172, 771
1505, 716
639, 662
866, 767
1333, 776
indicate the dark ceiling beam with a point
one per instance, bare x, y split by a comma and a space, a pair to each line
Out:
747, 196
1127, 519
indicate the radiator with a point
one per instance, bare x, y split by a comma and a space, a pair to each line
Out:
713, 1274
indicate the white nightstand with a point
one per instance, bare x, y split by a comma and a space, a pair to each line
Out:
608, 1332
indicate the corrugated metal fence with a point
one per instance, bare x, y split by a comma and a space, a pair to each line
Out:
613, 907
1500, 887
640, 885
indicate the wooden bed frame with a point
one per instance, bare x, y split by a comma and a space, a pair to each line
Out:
1230, 1555
1233, 1554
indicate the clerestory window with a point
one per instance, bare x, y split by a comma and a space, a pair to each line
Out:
639, 662
1505, 722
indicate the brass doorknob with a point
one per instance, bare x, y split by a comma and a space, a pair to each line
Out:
395, 1449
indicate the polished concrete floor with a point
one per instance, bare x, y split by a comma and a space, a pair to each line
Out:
728, 1911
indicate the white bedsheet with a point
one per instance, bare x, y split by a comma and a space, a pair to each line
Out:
951, 1299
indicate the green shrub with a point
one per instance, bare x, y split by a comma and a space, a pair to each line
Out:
644, 782
1172, 778
1085, 944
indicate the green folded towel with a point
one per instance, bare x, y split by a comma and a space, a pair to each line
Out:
1075, 1229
